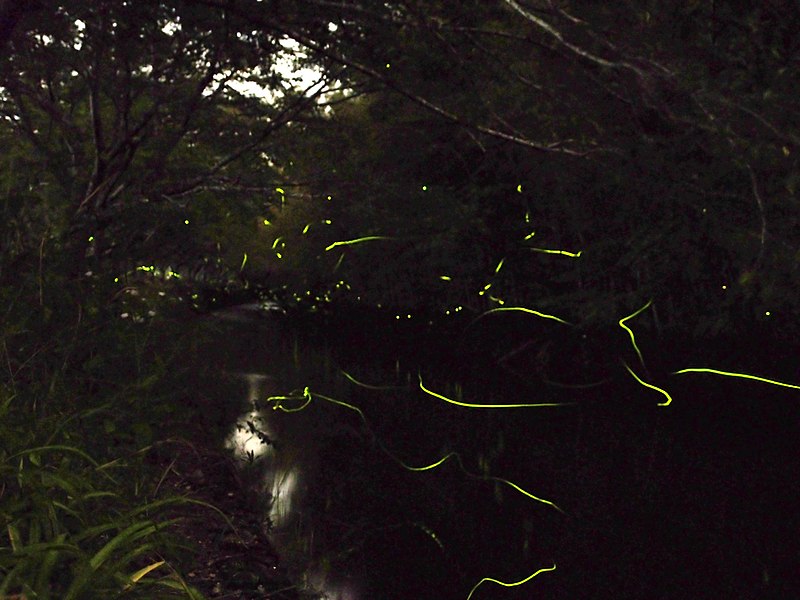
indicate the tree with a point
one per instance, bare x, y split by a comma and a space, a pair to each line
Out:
611, 120
640, 154
127, 113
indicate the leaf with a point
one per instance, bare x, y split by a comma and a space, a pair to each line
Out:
128, 535
13, 537
144, 571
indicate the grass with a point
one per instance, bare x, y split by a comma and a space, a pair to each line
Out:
81, 404
74, 526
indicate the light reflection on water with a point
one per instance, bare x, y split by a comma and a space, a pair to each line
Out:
285, 464
243, 439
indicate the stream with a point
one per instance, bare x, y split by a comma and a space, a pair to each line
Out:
390, 478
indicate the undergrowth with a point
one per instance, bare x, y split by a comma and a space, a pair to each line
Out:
85, 397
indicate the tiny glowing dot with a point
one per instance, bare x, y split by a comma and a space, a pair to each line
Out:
186, 221
424, 188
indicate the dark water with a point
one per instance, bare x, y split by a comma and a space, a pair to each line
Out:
694, 500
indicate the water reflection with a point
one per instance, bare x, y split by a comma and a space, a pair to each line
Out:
248, 437
283, 449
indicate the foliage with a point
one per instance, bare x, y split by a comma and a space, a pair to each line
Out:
622, 147
671, 174
78, 507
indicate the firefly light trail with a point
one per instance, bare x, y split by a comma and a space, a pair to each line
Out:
457, 457
630, 332
511, 584
649, 385
366, 385
308, 396
561, 252
525, 310
470, 405
739, 375
367, 238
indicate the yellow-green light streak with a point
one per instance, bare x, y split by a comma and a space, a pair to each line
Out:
510, 584
277, 401
561, 252
740, 375
366, 385
499, 265
630, 332
367, 238
649, 385
456, 455
244, 262
526, 310
430, 533
471, 405
308, 395
430, 467
293, 410
338, 263
344, 404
